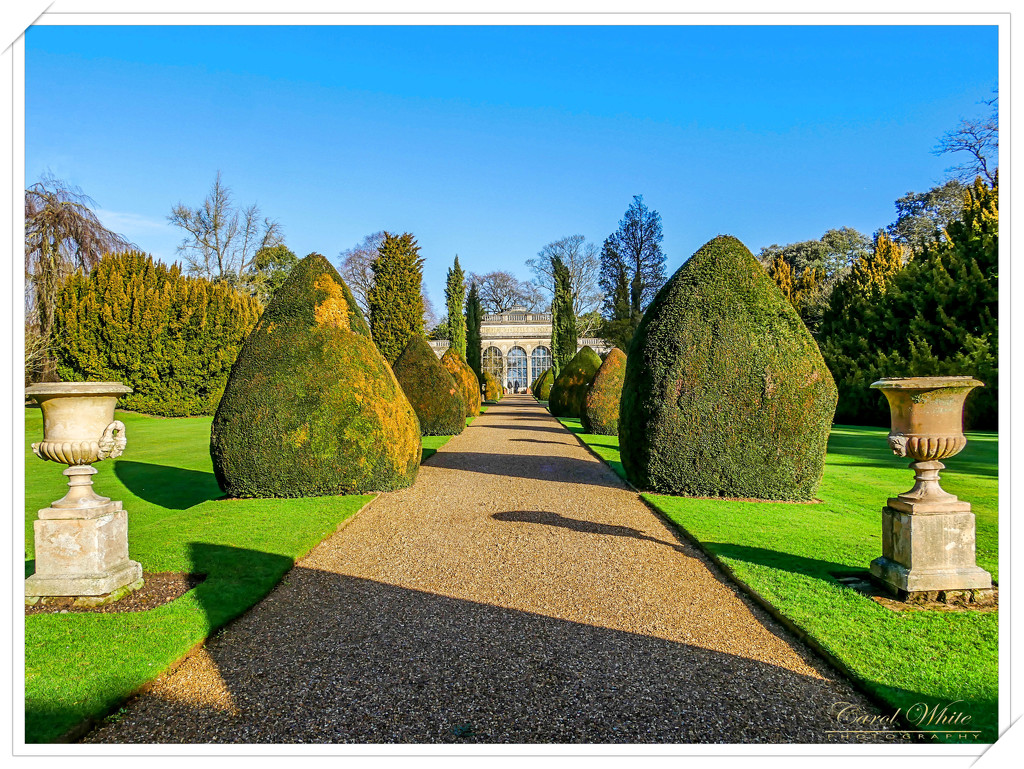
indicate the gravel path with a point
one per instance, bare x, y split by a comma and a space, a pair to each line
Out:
519, 592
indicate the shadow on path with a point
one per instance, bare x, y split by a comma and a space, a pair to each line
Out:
330, 658
546, 518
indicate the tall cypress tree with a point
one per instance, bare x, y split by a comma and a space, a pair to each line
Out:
455, 295
563, 320
474, 317
396, 299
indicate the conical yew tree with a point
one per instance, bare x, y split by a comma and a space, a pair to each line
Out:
725, 392
570, 386
601, 406
543, 389
430, 389
311, 408
469, 385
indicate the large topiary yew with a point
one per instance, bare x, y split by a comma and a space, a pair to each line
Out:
431, 390
570, 386
725, 392
601, 406
311, 407
469, 385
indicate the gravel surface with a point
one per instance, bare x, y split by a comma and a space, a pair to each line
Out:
519, 592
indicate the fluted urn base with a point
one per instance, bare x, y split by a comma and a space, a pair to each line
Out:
928, 550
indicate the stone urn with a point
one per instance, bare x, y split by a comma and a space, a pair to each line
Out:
81, 540
928, 534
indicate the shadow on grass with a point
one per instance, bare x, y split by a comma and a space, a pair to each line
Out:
369, 662
172, 487
120, 663
798, 564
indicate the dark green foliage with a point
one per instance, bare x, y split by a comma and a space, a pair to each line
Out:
396, 299
569, 390
725, 392
430, 389
455, 295
922, 216
935, 317
601, 407
171, 338
474, 317
311, 407
563, 318
465, 379
494, 389
543, 388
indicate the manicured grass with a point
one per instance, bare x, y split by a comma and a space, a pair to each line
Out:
82, 665
788, 553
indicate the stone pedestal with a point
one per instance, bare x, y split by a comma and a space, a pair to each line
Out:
82, 552
928, 546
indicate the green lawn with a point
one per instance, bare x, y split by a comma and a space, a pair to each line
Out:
82, 665
788, 552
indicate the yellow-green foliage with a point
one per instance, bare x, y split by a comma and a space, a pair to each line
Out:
570, 387
464, 377
725, 393
601, 406
169, 337
543, 389
494, 390
396, 298
430, 389
311, 408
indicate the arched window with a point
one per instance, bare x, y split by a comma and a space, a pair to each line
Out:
517, 371
493, 364
540, 360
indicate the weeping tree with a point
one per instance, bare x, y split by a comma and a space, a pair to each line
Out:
62, 234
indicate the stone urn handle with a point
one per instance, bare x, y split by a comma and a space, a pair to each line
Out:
898, 444
111, 446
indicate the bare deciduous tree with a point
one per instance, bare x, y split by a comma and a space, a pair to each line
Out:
583, 261
222, 240
501, 290
979, 138
62, 234
356, 268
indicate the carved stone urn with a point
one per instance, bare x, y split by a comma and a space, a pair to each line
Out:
928, 534
81, 540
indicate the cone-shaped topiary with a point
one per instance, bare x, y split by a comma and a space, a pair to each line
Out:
570, 387
494, 391
601, 406
544, 382
725, 393
311, 407
430, 389
469, 385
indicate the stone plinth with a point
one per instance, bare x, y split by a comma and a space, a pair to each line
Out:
928, 549
82, 556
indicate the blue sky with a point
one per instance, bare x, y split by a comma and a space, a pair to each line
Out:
489, 142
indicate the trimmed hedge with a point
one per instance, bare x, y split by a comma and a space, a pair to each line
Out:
469, 385
570, 387
725, 392
430, 389
169, 337
601, 406
494, 389
544, 382
311, 407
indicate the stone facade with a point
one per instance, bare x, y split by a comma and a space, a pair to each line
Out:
516, 345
